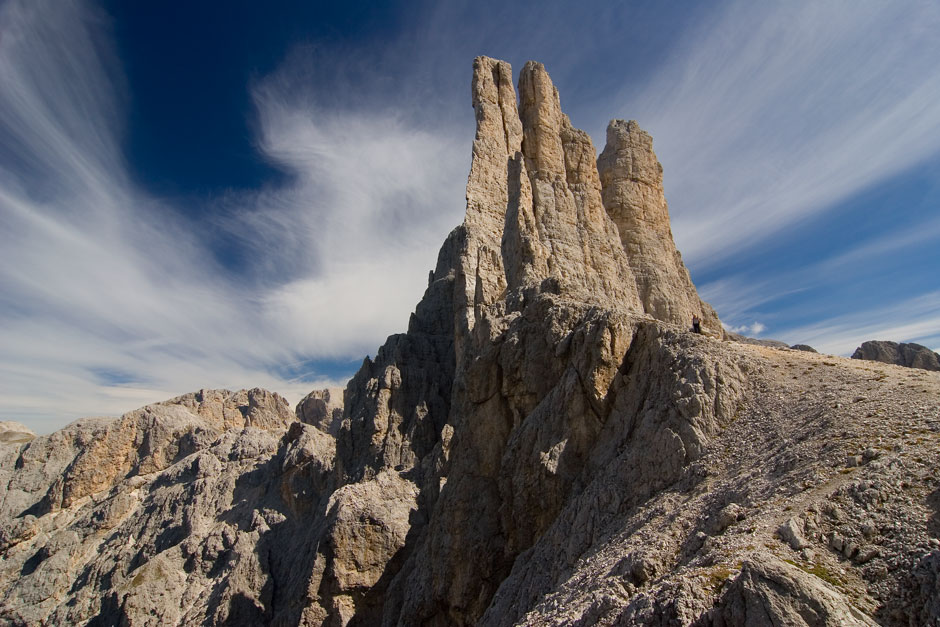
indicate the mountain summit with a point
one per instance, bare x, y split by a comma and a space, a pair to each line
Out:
547, 444
584, 228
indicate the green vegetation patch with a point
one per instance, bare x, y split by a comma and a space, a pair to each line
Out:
717, 576
820, 571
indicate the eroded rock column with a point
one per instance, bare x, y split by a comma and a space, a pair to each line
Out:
632, 180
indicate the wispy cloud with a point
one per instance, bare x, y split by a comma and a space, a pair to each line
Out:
751, 330
110, 299
741, 297
770, 114
903, 238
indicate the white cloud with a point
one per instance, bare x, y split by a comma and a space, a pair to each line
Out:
357, 231
751, 330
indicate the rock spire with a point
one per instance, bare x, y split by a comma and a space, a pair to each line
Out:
563, 220
534, 196
632, 180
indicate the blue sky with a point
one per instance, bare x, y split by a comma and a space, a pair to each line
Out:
236, 194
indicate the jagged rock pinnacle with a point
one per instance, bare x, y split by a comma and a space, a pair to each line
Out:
632, 180
498, 138
541, 211
534, 192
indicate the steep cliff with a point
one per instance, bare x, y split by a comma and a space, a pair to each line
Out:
547, 444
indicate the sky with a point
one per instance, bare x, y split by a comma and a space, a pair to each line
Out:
204, 194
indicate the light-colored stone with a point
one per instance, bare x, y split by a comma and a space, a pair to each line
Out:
632, 180
322, 409
13, 433
770, 592
791, 532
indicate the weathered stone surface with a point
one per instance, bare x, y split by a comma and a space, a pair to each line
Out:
924, 599
804, 347
94, 454
14, 433
632, 180
769, 592
909, 355
322, 408
737, 337
791, 532
555, 211
108, 503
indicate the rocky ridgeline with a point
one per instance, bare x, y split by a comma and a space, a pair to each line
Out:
909, 355
546, 445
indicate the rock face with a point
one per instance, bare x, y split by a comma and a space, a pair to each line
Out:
737, 337
102, 501
770, 592
547, 444
632, 180
322, 409
909, 355
15, 433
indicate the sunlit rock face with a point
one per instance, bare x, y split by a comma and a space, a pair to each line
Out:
632, 180
546, 444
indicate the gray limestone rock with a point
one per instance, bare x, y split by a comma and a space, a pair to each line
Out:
737, 337
98, 516
791, 532
322, 409
632, 180
909, 355
770, 592
804, 347
13, 433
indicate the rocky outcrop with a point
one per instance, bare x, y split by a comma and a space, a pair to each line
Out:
535, 219
92, 455
546, 444
737, 337
770, 592
804, 347
98, 499
322, 408
15, 433
632, 180
909, 355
